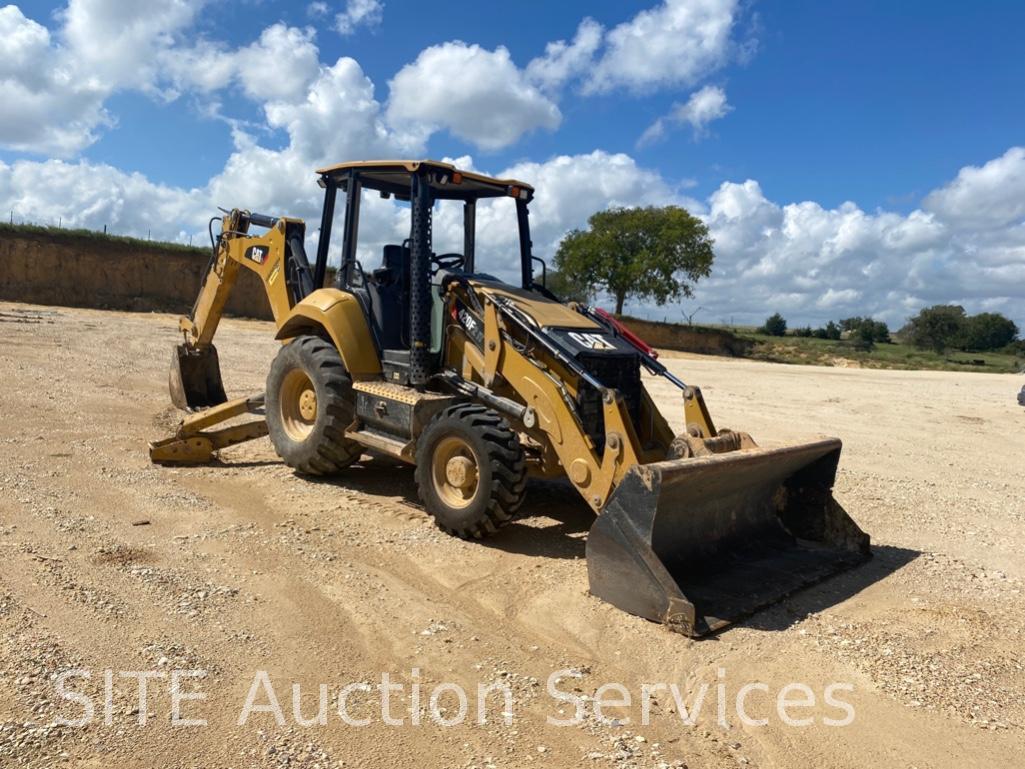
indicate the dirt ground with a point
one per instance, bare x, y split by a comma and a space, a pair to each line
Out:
110, 563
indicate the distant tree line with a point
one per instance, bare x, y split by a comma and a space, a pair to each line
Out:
948, 327
939, 328
863, 333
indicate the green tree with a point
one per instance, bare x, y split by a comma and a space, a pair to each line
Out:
775, 325
863, 336
866, 329
936, 328
988, 331
568, 289
880, 331
830, 331
656, 253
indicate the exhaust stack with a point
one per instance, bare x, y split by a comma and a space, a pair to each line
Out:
419, 285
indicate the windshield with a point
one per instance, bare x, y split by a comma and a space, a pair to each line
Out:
480, 237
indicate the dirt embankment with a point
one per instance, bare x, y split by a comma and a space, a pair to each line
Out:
696, 339
74, 270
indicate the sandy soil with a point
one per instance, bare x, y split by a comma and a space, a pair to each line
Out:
243, 566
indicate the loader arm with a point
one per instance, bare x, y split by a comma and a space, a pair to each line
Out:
594, 475
714, 529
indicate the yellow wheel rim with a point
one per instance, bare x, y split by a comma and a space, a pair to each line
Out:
455, 472
298, 400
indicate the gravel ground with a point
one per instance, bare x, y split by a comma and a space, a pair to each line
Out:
110, 563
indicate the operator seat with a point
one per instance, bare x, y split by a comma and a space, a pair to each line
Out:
388, 289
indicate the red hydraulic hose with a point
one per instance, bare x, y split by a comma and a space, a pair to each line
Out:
627, 334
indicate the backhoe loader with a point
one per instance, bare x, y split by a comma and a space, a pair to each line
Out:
481, 384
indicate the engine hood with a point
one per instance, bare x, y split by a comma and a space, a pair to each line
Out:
544, 312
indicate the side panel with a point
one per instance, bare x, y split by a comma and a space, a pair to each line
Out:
340, 315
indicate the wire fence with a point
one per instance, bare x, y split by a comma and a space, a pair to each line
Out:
16, 222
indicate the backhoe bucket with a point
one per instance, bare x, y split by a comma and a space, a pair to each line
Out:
195, 378
699, 543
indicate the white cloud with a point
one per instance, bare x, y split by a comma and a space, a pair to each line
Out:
572, 187
342, 96
55, 86
992, 195
55, 90
94, 195
833, 298
56, 83
569, 188
283, 180
280, 65
47, 108
115, 42
359, 13
809, 262
813, 263
699, 110
23, 44
563, 61
677, 43
478, 95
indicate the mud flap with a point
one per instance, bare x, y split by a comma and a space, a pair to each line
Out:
700, 543
195, 377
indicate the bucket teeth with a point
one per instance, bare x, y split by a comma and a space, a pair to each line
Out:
702, 542
195, 377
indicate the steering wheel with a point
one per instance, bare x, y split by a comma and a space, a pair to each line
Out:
448, 261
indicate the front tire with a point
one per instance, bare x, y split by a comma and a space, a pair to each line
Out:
470, 470
309, 406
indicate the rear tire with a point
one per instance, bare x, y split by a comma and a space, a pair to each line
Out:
309, 406
470, 471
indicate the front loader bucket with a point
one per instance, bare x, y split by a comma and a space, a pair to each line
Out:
699, 543
195, 378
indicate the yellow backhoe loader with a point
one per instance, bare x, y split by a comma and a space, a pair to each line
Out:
481, 384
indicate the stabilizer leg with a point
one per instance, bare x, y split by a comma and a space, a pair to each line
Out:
192, 443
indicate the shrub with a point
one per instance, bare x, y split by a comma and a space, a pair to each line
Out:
988, 331
936, 328
775, 325
831, 331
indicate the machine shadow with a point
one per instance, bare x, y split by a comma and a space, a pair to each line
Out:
376, 475
553, 523
563, 535
886, 559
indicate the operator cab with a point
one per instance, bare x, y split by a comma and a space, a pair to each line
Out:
438, 246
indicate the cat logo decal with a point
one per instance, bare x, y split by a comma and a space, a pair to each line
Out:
591, 341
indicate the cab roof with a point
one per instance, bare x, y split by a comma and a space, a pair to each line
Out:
446, 181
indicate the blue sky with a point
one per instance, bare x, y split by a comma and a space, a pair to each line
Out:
849, 159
